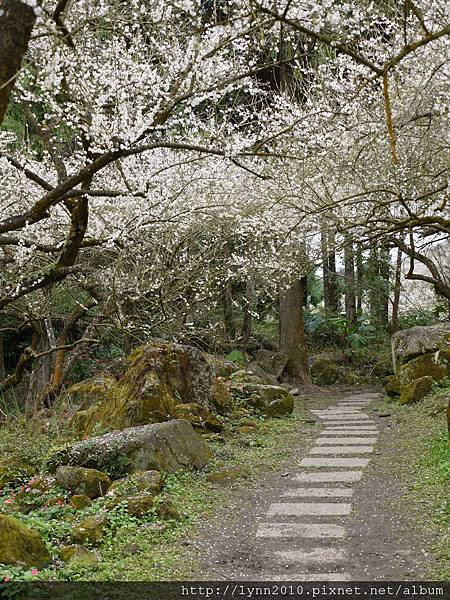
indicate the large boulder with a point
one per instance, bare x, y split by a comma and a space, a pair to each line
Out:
21, 546
168, 447
417, 341
435, 365
272, 362
159, 376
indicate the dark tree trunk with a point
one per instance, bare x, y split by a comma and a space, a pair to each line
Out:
384, 273
397, 291
2, 359
350, 298
359, 280
330, 295
247, 320
16, 24
292, 333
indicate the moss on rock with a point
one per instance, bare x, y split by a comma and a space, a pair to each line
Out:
91, 530
435, 365
415, 391
78, 480
19, 545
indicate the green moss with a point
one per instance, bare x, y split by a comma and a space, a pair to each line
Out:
416, 391
21, 545
435, 365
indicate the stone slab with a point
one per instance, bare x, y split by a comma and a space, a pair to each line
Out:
328, 477
333, 441
334, 462
334, 492
298, 509
341, 449
300, 530
318, 555
309, 577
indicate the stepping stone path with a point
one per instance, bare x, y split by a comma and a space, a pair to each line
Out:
309, 519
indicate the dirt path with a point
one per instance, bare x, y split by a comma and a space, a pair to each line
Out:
328, 515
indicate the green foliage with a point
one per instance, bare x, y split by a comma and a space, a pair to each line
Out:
413, 318
236, 356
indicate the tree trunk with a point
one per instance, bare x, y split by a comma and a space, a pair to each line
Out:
227, 302
359, 280
292, 333
2, 359
330, 295
384, 272
247, 320
397, 291
350, 298
16, 24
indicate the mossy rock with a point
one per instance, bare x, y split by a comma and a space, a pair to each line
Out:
21, 546
271, 400
272, 362
416, 391
165, 447
79, 501
78, 555
88, 482
436, 366
324, 371
222, 367
227, 475
168, 511
91, 530
417, 341
221, 397
159, 376
148, 481
138, 506
392, 386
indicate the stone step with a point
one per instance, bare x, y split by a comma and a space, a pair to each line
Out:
328, 476
341, 450
309, 508
322, 577
320, 492
300, 530
334, 462
332, 441
319, 555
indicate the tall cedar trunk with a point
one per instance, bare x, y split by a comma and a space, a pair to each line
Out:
331, 300
359, 279
2, 358
372, 281
227, 301
350, 298
247, 320
384, 272
16, 24
292, 333
397, 291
